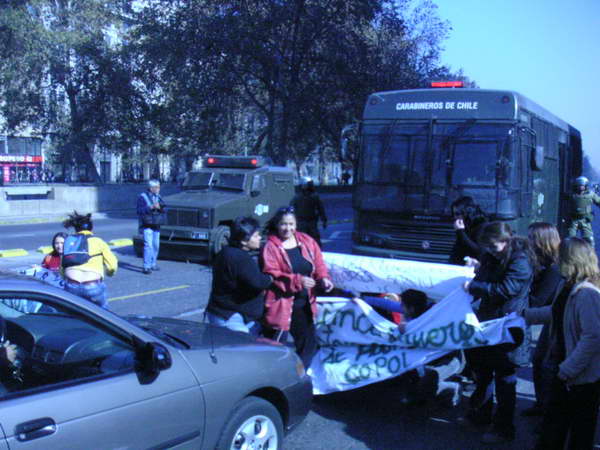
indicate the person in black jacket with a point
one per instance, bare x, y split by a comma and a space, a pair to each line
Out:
469, 220
544, 241
237, 296
502, 284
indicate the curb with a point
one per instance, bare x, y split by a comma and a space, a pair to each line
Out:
45, 249
116, 243
13, 252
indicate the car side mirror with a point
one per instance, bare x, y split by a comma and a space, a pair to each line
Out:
150, 359
254, 193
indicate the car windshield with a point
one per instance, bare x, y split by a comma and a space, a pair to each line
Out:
197, 180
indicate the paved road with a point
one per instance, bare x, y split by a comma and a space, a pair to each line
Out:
372, 417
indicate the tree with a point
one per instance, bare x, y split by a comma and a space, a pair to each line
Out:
301, 69
62, 73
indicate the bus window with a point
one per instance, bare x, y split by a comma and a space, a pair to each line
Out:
474, 163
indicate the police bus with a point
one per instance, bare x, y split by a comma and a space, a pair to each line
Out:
420, 150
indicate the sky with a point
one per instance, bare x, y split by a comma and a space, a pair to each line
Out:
547, 50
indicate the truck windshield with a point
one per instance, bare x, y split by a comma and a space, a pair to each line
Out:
197, 180
460, 154
230, 181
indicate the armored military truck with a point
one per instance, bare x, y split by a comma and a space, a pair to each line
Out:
198, 218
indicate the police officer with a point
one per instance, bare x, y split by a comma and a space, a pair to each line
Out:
308, 208
582, 214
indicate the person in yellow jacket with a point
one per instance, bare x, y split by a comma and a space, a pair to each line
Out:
87, 279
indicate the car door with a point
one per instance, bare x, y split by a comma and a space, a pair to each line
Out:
259, 197
79, 388
3, 443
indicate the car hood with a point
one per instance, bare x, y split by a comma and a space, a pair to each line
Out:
195, 335
209, 198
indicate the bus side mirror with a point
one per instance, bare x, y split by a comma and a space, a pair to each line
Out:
537, 158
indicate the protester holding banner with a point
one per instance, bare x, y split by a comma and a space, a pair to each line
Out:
237, 299
469, 220
295, 262
574, 336
547, 284
502, 283
52, 260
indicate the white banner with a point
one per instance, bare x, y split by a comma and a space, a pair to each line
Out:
359, 347
369, 274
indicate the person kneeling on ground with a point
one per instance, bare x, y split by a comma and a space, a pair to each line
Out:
430, 379
237, 298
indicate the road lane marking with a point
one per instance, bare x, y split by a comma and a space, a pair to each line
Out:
156, 291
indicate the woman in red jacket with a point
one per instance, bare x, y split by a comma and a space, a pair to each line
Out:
295, 262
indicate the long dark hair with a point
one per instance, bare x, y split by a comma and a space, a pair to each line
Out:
242, 230
501, 232
471, 213
79, 222
274, 221
57, 235
544, 241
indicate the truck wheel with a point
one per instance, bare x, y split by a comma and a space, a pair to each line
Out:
219, 239
255, 423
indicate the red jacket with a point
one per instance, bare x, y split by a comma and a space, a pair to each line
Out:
279, 298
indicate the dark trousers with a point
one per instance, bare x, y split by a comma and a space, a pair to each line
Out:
570, 418
543, 372
310, 227
304, 333
493, 372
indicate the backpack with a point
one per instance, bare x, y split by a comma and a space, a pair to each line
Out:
76, 251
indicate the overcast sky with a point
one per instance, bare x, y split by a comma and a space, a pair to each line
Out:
547, 50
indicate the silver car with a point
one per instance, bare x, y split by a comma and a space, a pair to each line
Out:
85, 378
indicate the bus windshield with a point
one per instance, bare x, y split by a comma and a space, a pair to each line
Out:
464, 154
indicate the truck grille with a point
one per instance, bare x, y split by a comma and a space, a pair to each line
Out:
420, 237
187, 218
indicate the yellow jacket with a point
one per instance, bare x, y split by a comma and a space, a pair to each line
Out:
106, 258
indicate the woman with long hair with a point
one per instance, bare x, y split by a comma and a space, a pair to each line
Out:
295, 262
574, 335
52, 260
544, 241
469, 220
237, 299
502, 284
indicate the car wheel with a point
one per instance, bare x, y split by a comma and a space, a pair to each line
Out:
219, 239
255, 424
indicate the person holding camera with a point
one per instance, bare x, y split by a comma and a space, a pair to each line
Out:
151, 214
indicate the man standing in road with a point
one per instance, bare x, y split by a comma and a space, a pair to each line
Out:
581, 210
308, 208
150, 210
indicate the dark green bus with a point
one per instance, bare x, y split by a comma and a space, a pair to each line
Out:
422, 149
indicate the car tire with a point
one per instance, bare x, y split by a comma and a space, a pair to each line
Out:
253, 420
219, 239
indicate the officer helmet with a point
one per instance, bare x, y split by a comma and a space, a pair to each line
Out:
581, 181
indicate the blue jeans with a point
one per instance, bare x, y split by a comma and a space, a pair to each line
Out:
234, 323
94, 292
151, 246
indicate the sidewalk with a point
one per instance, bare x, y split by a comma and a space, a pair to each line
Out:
57, 218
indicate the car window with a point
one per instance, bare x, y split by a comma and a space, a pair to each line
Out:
55, 345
